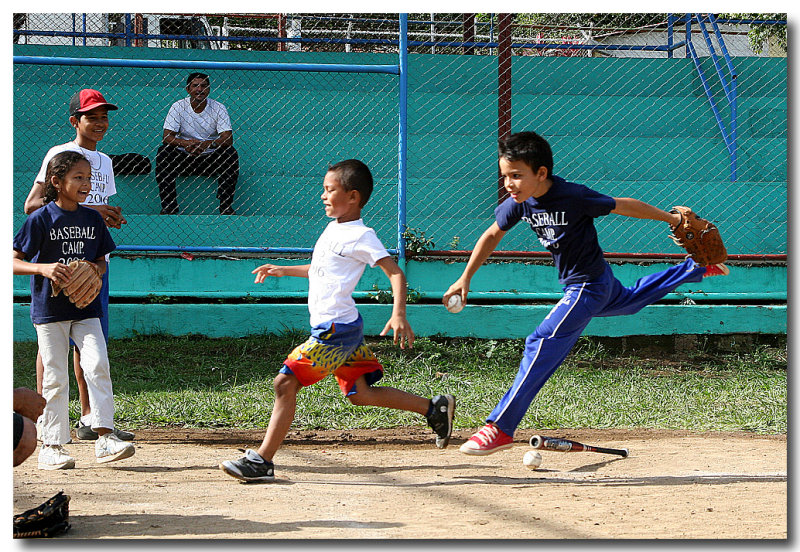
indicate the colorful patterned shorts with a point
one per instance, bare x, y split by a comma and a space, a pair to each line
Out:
338, 349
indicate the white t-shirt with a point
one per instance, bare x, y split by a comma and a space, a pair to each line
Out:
340, 256
103, 184
206, 125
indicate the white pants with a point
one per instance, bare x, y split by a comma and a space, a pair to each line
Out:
54, 347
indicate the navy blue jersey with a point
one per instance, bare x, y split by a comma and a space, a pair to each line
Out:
563, 220
51, 234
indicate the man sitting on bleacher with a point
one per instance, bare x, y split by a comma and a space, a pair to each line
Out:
198, 141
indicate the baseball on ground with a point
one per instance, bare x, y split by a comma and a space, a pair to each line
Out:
454, 304
532, 459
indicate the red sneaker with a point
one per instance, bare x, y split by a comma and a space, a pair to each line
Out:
718, 269
488, 440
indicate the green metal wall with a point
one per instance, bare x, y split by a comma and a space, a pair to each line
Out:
508, 300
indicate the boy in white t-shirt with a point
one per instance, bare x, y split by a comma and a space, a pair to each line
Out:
336, 345
88, 115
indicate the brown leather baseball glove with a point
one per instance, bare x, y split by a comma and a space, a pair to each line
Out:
46, 520
83, 285
699, 237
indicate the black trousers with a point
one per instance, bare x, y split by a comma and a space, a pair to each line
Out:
172, 163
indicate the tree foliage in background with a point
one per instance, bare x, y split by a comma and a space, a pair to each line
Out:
554, 24
760, 35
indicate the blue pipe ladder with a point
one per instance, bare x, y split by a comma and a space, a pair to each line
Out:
729, 131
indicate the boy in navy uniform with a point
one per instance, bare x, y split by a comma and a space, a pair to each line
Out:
562, 215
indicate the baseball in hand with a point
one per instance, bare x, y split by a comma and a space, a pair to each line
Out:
454, 304
532, 460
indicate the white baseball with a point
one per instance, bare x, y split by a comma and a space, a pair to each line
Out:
532, 459
454, 304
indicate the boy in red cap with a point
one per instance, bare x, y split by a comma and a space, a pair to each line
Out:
88, 115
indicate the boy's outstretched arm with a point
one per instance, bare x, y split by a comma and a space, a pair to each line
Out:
484, 247
300, 271
629, 207
402, 329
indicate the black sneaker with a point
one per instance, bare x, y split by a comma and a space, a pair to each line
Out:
86, 433
441, 419
250, 467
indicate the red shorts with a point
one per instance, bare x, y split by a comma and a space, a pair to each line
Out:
337, 349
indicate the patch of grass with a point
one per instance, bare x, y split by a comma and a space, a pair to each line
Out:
195, 381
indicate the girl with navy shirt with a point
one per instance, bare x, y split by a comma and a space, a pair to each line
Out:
562, 215
60, 232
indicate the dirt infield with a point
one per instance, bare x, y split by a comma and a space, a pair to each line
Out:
395, 484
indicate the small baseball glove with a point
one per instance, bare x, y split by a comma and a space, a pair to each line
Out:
699, 237
84, 284
46, 520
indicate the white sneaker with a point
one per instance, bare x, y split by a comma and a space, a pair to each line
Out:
109, 448
55, 457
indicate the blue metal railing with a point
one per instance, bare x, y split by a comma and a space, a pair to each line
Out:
210, 65
128, 37
402, 146
729, 132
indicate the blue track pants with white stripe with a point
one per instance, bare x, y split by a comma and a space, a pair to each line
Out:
548, 346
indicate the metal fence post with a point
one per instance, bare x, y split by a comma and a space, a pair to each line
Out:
128, 29
688, 34
503, 87
670, 37
402, 140
468, 30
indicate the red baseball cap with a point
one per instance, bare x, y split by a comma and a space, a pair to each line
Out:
86, 100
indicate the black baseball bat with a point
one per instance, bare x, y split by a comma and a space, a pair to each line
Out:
565, 445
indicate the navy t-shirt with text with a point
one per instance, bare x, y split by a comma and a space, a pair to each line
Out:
563, 219
51, 234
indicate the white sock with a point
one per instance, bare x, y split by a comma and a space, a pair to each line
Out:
255, 457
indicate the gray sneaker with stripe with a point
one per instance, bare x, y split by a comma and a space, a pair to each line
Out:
250, 467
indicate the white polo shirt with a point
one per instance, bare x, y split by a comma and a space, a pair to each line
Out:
206, 125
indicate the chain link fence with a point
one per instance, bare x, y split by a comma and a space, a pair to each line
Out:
629, 105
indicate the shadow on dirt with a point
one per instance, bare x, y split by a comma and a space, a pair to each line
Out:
169, 525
